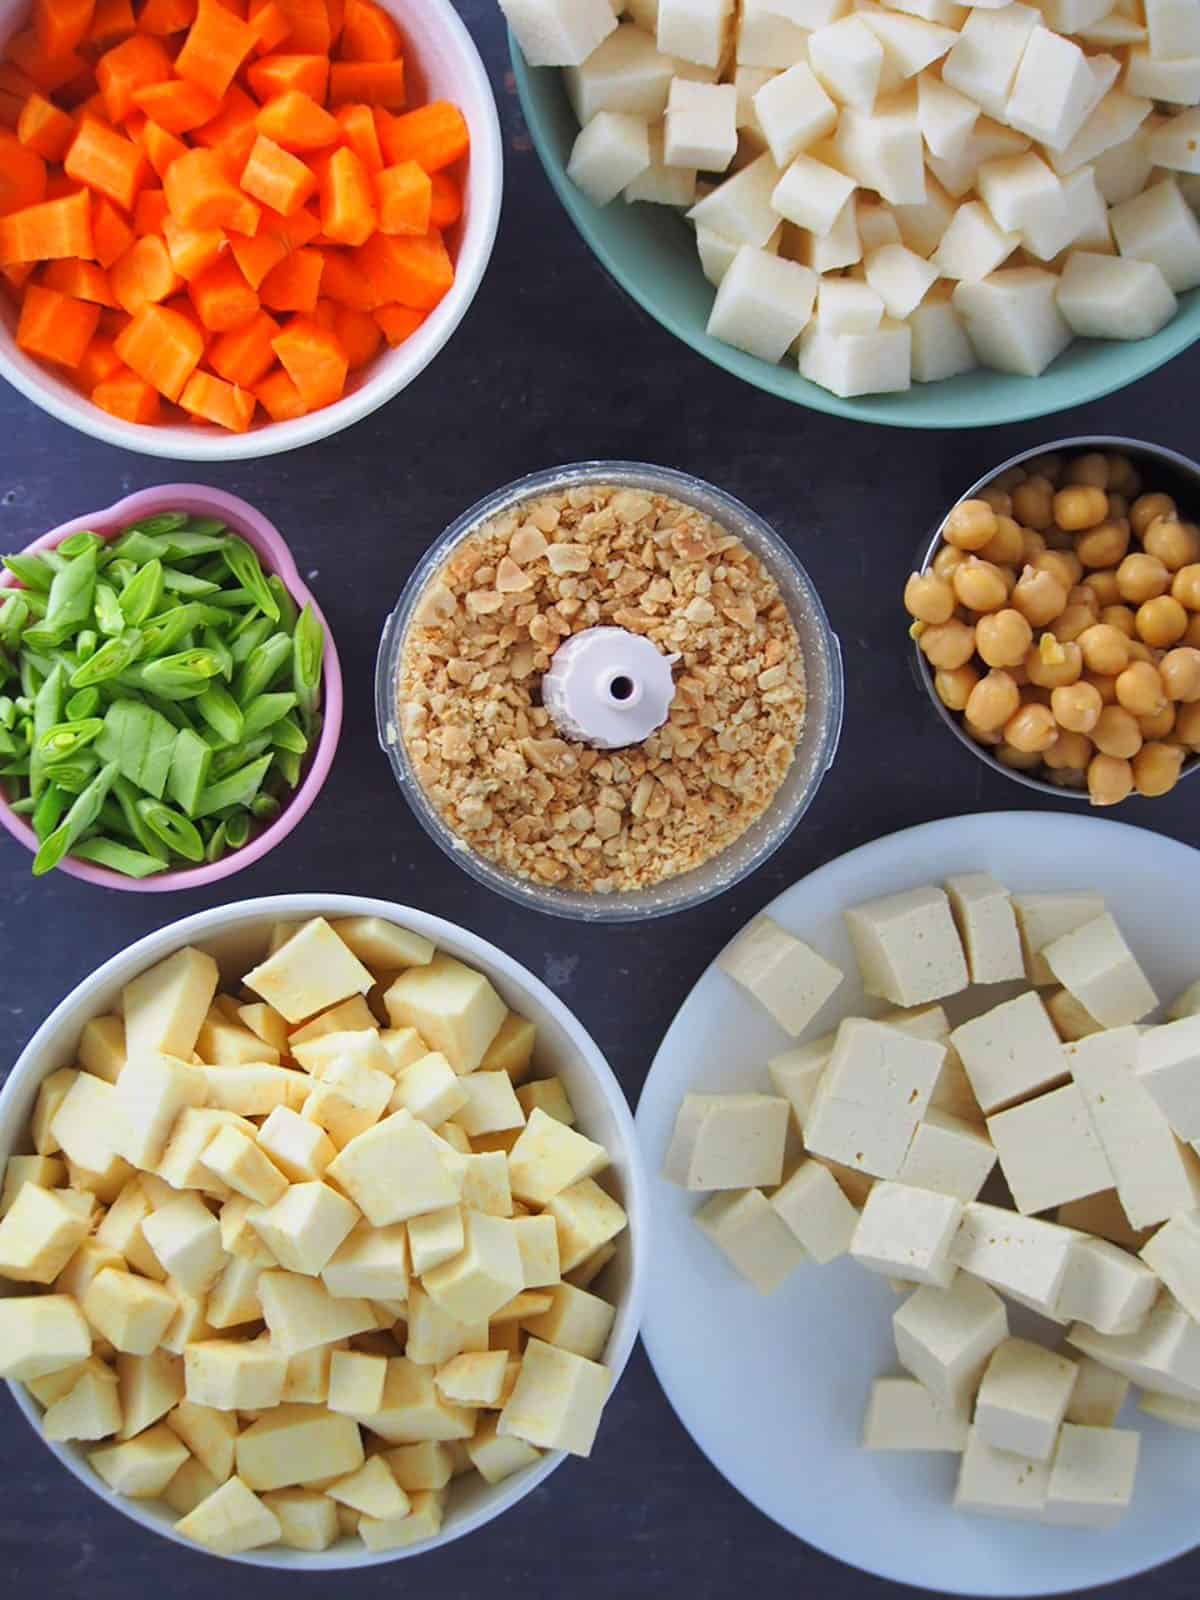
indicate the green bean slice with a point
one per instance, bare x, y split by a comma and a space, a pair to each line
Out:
246, 568
238, 789
128, 795
82, 814
65, 740
83, 703
308, 659
265, 807
49, 810
110, 619
142, 596
112, 658
77, 543
263, 712
262, 667
14, 614
222, 713
237, 829
287, 734
118, 857
173, 828
35, 572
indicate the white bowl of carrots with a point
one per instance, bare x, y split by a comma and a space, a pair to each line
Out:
229, 228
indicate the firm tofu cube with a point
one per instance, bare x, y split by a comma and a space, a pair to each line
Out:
949, 1156
740, 209
1162, 1356
701, 125
296, 1146
301, 1313
873, 1094
307, 1520
312, 971
1174, 1254
907, 1233
91, 1408
1071, 1020
132, 1313
814, 1207
41, 1334
436, 1237
786, 976
140, 1468
945, 1337
1098, 1395
1013, 320
549, 1157
394, 1171
39, 1235
453, 1007
586, 1219
557, 1400
793, 111
296, 1445
1096, 966
186, 1238
753, 1237
796, 1073
903, 1415
728, 1141
694, 30
210, 1435
231, 1375
1022, 1256
984, 61
986, 923
1106, 1288
907, 947
164, 1009
1111, 297
488, 1271
996, 1483
232, 1520
1043, 918
575, 1320
1023, 1398
1092, 1476
305, 1226
245, 1167
1103, 1216
1010, 1053
1049, 1152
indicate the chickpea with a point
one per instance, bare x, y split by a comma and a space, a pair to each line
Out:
1032, 728
1158, 727
1039, 596
981, 735
1076, 707
970, 525
1070, 752
1078, 508
1176, 544
948, 644
1007, 548
1162, 622
953, 686
1180, 673
999, 499
1185, 586
1018, 674
1117, 733
1140, 689
1090, 470
1118, 507
1103, 545
1056, 539
1073, 621
1063, 564
1018, 760
1139, 650
1050, 664
1105, 649
1009, 480
929, 598
1033, 503
1110, 780
1104, 686
979, 585
1187, 726
1048, 466
1104, 586
1035, 695
1156, 768
1081, 595
1192, 636
1141, 577
1003, 638
1121, 618
947, 561
992, 702
1123, 476
1148, 508
1035, 543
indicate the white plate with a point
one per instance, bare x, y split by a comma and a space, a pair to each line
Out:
773, 1390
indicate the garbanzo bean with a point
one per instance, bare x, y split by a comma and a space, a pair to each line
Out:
1192, 636
1122, 618
1104, 545
1064, 564
1035, 543
993, 701
1007, 548
1117, 733
1039, 596
948, 644
1176, 544
1047, 466
1118, 507
979, 585
929, 598
1090, 469
953, 686
1051, 664
948, 560
1156, 768
1140, 689
1162, 622
1105, 649
1105, 687
1123, 476
970, 525
1185, 586
1147, 508
1180, 673
1110, 780
1033, 503
1032, 728
1018, 760
999, 499
1070, 752
1076, 707
1104, 586
1078, 508
1187, 726
1141, 577
1160, 725
1003, 638
1072, 622
982, 735
1139, 650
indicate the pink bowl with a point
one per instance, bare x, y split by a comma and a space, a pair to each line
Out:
276, 557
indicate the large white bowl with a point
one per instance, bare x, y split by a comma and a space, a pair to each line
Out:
235, 936
443, 64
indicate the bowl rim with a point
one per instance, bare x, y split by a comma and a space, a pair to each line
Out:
394, 370
575, 905
887, 410
266, 538
921, 670
200, 925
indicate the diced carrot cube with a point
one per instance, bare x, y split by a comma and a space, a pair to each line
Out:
201, 194
217, 44
22, 175
111, 233
295, 121
256, 257
314, 360
270, 24
237, 113
360, 134
161, 147
399, 322
279, 397
129, 66
111, 20
308, 25
49, 231
244, 355
162, 346
62, 25
414, 272
107, 162
143, 275
54, 328
344, 281
48, 73
100, 361
405, 198
277, 178
434, 136
368, 33
347, 199
295, 284
192, 250
273, 75
79, 280
377, 83
129, 397
150, 212
218, 401
177, 105
43, 128
17, 274
165, 17
447, 201
358, 334
222, 297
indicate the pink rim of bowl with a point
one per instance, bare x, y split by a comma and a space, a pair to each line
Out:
272, 548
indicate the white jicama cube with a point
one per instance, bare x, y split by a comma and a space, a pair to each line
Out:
877, 226
660, 184
811, 195
846, 306
988, 141
940, 347
1116, 28
701, 125
1124, 170
1107, 297
973, 246
717, 253
812, 13
1175, 143
559, 33
984, 62
1174, 27
944, 116
882, 149
1025, 197
626, 73
793, 112
740, 208
1176, 81
1069, 16
1116, 119
1013, 320
900, 277
1085, 204
1054, 90
840, 247
694, 30
909, 44
748, 81
767, 37
1158, 225
923, 227
949, 14
610, 152
848, 60
763, 304
850, 364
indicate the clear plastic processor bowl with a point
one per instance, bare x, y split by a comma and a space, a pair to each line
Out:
815, 750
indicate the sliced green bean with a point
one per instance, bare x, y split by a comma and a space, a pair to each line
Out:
166, 632
308, 659
8, 711
264, 711
177, 582
191, 764
47, 711
287, 734
112, 820
237, 829
288, 764
111, 659
141, 598
86, 645
244, 564
222, 713
65, 740
138, 546
127, 796
79, 542
22, 808
119, 858
212, 640
122, 572
37, 602
83, 703
230, 760
289, 612
173, 828
184, 674
200, 536
69, 604
35, 572
246, 638
110, 619
14, 614
262, 667
141, 742
265, 807
82, 814
215, 846
75, 775
238, 789
49, 810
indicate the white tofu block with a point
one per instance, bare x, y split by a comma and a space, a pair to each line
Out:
796, 1073
1156, 1176
910, 44
1168, 1066
1106, 1288
740, 208
1092, 1477
907, 947
793, 111
900, 277
987, 926
877, 226
552, 34
984, 62
907, 1233
1013, 321
944, 116
1097, 967
701, 125
923, 227
1175, 143
1070, 1019
661, 185
1174, 28
949, 1156
1113, 122
811, 195
762, 305
1017, 1255
1159, 226
840, 247
995, 1483
1053, 91
1043, 918
752, 1236
903, 1415
883, 150
1163, 1355
728, 1141
767, 37
814, 1207
1098, 1395
1023, 1398
694, 30
847, 59
945, 1337
1174, 1254
1048, 1150
940, 347
1103, 1216
1176, 81
1010, 1053
786, 976
610, 152
846, 306
626, 73
871, 1097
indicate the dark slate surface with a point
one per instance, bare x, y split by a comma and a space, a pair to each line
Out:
552, 365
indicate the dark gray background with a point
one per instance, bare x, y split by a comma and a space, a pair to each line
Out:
552, 365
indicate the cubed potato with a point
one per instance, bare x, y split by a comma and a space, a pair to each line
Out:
944, 116
356, 1382
1159, 226
87, 1126
910, 44
394, 1170
551, 1095
413, 1411
295, 1445
436, 1237
209, 1434
694, 30
586, 1218
267, 1023
452, 1006
423, 1521
233, 1300
165, 1007
882, 149
434, 1336
847, 60
940, 347
348, 1016
254, 1089
382, 945
225, 1042
474, 1378
41, 1334
486, 1273
372, 1490
148, 1386
557, 1400
46, 1171
430, 1089
793, 111
140, 1468
245, 1167
52, 1091
121, 1228
575, 1320
307, 1520
984, 60
348, 1099
427, 1465
549, 1157
851, 364
403, 1047
1053, 90
491, 1104
700, 131
182, 1165
359, 1047
312, 971
308, 1373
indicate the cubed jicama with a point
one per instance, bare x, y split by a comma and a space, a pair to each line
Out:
609, 153
850, 364
877, 226
767, 38
944, 116
1013, 321
974, 245
1116, 28
1124, 170
983, 63
1116, 119
1069, 16
900, 277
908, 43
626, 73
847, 59
1109, 297
694, 30
812, 14
763, 303
882, 149
811, 194
1175, 143
1177, 81
840, 247
987, 141
660, 184
1054, 90
946, 12
940, 347
844, 305
1086, 205
701, 125
1174, 28
747, 81
923, 227
793, 112
740, 208
559, 33
1158, 225
717, 253
1025, 197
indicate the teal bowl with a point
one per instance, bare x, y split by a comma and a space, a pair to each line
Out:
650, 251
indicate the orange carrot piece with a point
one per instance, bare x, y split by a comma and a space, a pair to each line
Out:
192, 250
214, 400
54, 327
201, 194
434, 136
10, 111
314, 360
62, 25
48, 73
295, 121
295, 284
107, 162
275, 75
44, 128
368, 33
344, 281
234, 120
415, 272
357, 332
270, 24
161, 147
360, 134
244, 355
129, 66
399, 322
17, 274
405, 198
177, 105
162, 346
49, 231
111, 20
111, 233
150, 212
279, 397
127, 396
92, 107
378, 83
100, 361
308, 25
22, 175
222, 297
447, 201
238, 8
15, 82
165, 17
143, 276
347, 200
217, 44
79, 280
257, 256
277, 178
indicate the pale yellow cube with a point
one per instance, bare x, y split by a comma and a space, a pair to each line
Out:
152, 1091
295, 1445
267, 1023
165, 1007
452, 1006
311, 972
233, 1300
404, 1046
491, 1106
87, 1125
121, 1229
360, 1046
497, 1456
550, 1094
182, 1165
46, 1171
394, 1171
413, 1410
148, 1386
590, 1268
231, 1375
55, 1384
436, 1237
434, 1336
300, 1312
189, 1322
429, 1088
230, 1521
348, 1099
384, 945
39, 1235
300, 1149
245, 1167
307, 1380
307, 1520
497, 1143
41, 1334
511, 1050
485, 1184
100, 1188
52, 1091
576, 1321
474, 1378
190, 1485
90, 1410
90, 1257
238, 1238
486, 1273
586, 1218
209, 1434
537, 1240
550, 1157
254, 1089
140, 1468
304, 1228
224, 1042
455, 1137
132, 1313
356, 1383
526, 1304
348, 1016
557, 1400
423, 1521
370, 1263
428, 1465
372, 1490
186, 1238
102, 1047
